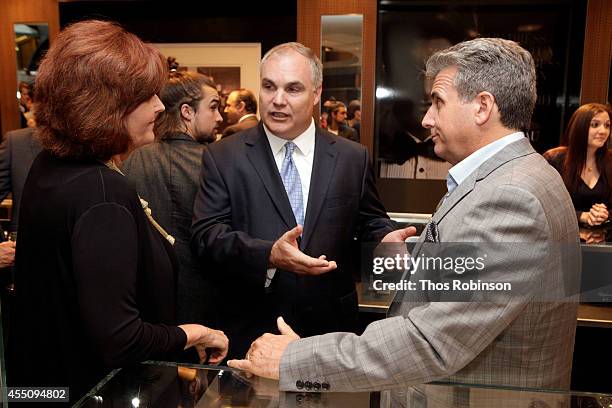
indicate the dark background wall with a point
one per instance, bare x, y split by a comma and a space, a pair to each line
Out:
268, 23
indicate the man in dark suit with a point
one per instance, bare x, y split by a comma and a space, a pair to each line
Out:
278, 208
18, 150
241, 110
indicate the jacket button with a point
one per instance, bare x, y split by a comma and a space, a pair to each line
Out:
308, 385
299, 384
325, 386
316, 385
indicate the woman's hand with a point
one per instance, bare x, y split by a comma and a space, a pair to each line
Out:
597, 215
206, 340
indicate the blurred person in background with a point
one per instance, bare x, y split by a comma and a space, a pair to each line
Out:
95, 280
166, 172
336, 122
241, 111
354, 115
585, 163
17, 152
25, 101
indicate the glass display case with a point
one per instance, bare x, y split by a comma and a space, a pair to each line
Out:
158, 384
163, 384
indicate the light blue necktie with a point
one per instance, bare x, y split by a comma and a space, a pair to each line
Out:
293, 184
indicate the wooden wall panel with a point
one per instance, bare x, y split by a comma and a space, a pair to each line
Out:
597, 52
309, 14
19, 11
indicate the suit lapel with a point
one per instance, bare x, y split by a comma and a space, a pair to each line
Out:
260, 155
323, 166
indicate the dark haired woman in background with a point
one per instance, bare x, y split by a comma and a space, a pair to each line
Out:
586, 163
166, 175
95, 280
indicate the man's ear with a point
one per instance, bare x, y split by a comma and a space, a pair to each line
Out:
187, 112
240, 107
485, 107
317, 95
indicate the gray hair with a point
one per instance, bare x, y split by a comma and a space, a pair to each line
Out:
315, 63
500, 67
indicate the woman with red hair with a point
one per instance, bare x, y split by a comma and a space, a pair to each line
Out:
585, 163
95, 274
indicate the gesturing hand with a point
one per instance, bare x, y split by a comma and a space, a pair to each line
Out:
286, 255
7, 254
399, 235
263, 358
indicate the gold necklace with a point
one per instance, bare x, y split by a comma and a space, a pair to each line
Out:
145, 206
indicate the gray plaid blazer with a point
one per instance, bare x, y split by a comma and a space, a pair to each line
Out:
515, 196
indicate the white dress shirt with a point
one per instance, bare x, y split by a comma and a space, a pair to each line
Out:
465, 167
303, 157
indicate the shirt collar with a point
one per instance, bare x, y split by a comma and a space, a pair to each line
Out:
245, 117
304, 142
465, 167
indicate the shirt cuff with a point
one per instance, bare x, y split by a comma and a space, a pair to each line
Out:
269, 276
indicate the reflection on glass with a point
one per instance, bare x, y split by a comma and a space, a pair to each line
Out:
31, 43
341, 49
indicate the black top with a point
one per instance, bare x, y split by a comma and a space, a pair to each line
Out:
584, 197
95, 282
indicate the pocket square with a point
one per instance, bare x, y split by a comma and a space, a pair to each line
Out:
431, 232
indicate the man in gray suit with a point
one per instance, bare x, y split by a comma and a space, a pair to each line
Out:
500, 190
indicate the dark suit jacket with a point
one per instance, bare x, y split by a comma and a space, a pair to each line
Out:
18, 150
348, 133
242, 208
248, 123
165, 174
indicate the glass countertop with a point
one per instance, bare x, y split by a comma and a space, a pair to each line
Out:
162, 384
165, 384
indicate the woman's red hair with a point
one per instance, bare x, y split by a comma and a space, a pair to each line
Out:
93, 76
